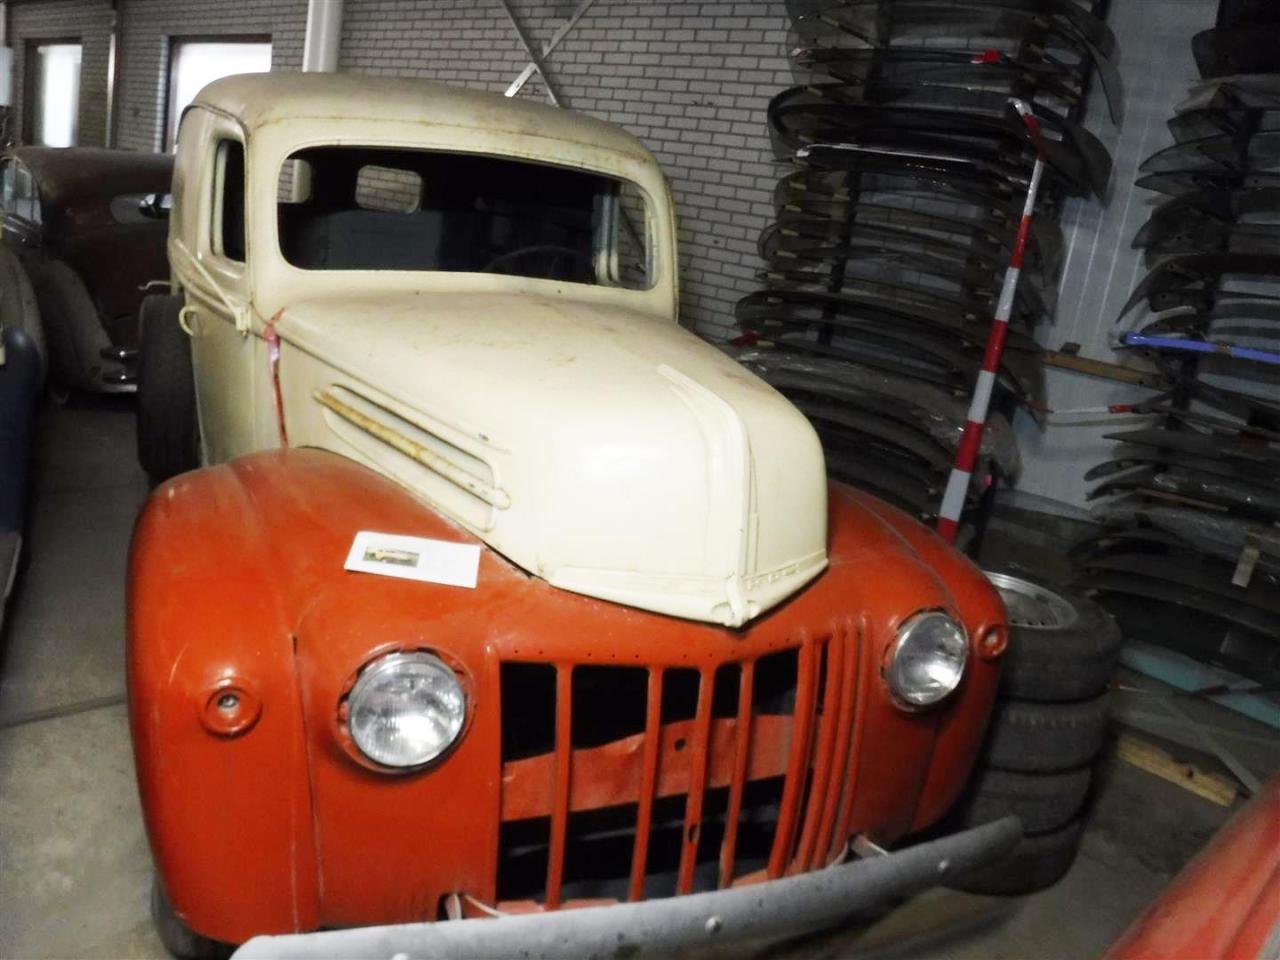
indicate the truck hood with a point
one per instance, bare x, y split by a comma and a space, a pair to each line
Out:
607, 451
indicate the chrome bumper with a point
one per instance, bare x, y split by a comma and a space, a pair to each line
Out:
656, 928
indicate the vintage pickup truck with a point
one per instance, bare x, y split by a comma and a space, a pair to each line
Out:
631, 652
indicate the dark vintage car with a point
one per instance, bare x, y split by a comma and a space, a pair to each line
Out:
22, 370
89, 226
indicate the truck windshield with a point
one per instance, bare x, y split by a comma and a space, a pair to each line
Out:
361, 208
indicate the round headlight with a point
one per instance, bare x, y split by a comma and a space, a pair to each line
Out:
928, 659
406, 709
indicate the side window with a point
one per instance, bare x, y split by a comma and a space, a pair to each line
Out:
7, 187
228, 201
635, 251
20, 198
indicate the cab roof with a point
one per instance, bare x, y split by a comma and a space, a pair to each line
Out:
256, 100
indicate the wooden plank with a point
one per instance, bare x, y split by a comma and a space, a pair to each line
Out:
1152, 759
1108, 371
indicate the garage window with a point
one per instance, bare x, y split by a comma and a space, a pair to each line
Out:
194, 63
53, 103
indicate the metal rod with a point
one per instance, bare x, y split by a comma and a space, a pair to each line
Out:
534, 58
1200, 346
721, 920
970, 443
531, 68
113, 46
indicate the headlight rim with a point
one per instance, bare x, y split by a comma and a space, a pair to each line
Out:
342, 715
901, 634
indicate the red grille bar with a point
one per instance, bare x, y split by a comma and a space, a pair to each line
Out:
697, 783
742, 748
858, 695
802, 725
648, 782
564, 761
831, 799
823, 756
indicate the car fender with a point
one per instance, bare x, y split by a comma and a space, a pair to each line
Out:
207, 621
960, 732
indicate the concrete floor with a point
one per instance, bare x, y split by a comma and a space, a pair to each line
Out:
74, 865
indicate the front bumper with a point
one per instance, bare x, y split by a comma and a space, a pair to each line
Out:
772, 910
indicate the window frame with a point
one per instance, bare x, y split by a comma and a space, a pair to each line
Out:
607, 262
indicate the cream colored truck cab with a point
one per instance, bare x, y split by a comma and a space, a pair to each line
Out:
477, 297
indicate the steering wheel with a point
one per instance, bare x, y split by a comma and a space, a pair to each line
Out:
552, 249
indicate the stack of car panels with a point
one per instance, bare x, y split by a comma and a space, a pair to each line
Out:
894, 229
1189, 554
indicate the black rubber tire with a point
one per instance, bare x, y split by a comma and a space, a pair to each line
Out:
168, 436
1036, 863
1042, 801
1060, 663
180, 940
1028, 737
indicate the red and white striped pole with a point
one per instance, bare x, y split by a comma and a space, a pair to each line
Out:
971, 440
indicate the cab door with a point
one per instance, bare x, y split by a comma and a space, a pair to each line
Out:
218, 314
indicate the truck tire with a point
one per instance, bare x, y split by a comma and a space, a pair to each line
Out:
1036, 863
1042, 801
180, 940
1062, 646
1027, 737
168, 435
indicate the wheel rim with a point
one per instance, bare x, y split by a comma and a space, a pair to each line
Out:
1031, 606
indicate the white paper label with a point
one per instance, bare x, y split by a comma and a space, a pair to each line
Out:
415, 558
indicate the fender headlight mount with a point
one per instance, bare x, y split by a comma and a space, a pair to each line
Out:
927, 660
406, 710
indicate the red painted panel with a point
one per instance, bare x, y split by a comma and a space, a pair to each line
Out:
237, 573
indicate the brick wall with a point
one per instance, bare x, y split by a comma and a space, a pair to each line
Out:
88, 21
146, 27
690, 79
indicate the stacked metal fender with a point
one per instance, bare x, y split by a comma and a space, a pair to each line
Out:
894, 227
1189, 554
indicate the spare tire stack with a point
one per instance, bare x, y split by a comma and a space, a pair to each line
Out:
1046, 732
